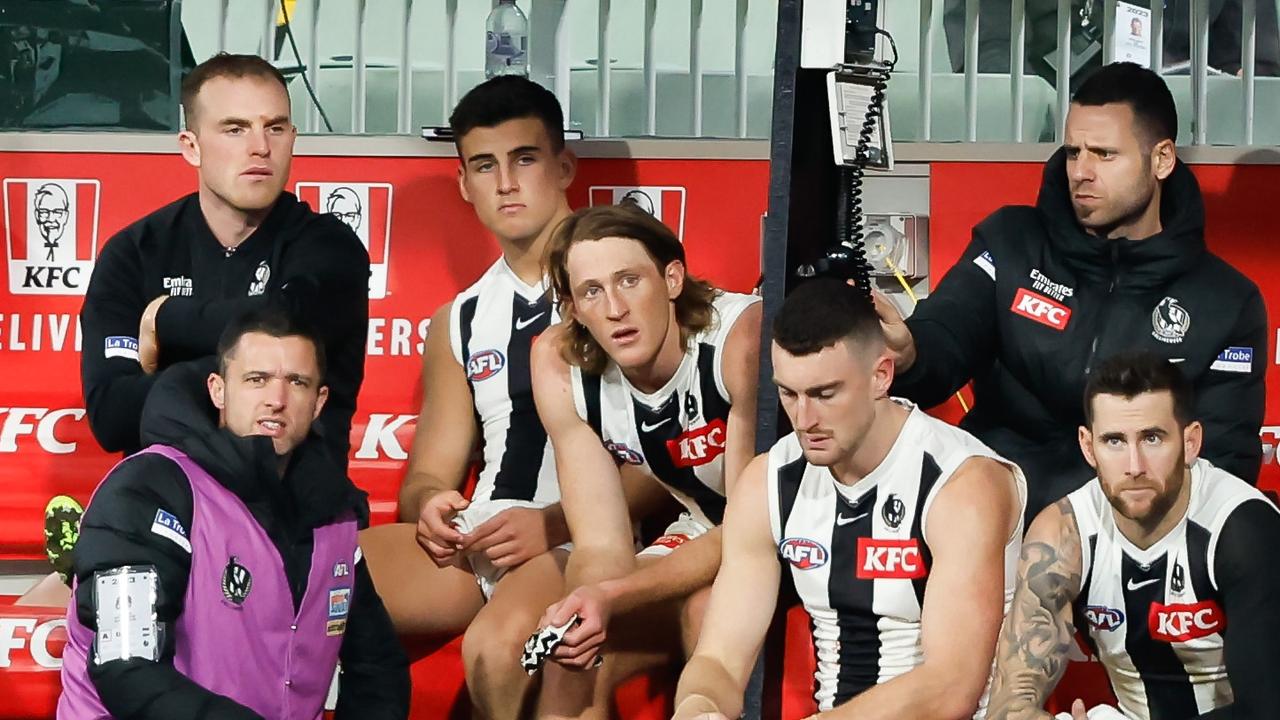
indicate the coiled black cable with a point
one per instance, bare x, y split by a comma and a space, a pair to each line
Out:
847, 258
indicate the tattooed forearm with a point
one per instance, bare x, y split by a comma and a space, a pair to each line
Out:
1031, 654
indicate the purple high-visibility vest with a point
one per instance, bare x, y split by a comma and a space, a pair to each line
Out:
239, 636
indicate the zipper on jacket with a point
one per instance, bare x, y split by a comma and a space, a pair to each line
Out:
1106, 304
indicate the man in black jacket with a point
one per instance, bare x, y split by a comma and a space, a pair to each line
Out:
1041, 17
241, 522
1111, 258
165, 287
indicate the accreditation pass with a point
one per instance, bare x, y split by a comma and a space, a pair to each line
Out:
125, 602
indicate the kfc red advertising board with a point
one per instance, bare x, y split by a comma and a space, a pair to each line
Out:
425, 245
424, 242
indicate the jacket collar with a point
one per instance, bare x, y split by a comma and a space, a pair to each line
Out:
1134, 265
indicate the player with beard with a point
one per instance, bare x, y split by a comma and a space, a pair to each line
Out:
900, 533
653, 373
1159, 561
1112, 257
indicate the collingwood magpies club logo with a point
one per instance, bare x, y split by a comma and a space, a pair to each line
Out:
1177, 582
690, 407
1170, 321
893, 511
236, 581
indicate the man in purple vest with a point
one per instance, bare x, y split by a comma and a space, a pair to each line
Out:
218, 574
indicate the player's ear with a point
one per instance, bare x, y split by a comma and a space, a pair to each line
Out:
189, 144
1086, 446
1192, 441
674, 276
882, 375
462, 183
320, 401
1164, 157
568, 168
217, 390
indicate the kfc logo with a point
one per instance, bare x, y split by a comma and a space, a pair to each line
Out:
19, 422
366, 209
1183, 622
51, 235
663, 202
803, 553
1034, 306
890, 559
699, 446
382, 435
44, 640
1270, 436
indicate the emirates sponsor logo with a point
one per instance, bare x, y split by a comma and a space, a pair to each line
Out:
1041, 283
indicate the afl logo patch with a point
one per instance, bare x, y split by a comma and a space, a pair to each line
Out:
236, 581
803, 553
1105, 618
484, 365
1170, 321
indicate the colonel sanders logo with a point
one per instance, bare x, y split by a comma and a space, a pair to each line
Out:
51, 234
366, 209
664, 203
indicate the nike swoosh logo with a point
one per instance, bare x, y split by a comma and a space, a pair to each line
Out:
523, 323
1134, 586
1177, 360
842, 520
646, 427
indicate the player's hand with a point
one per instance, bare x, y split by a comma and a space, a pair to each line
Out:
148, 347
511, 537
896, 333
435, 531
582, 644
1097, 712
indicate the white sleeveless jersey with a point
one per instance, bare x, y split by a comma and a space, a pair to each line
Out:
676, 434
1155, 617
492, 326
859, 556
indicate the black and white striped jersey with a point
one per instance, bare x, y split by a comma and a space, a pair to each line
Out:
677, 434
1157, 618
859, 555
492, 326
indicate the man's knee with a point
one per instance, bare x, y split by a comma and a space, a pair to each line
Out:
493, 641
